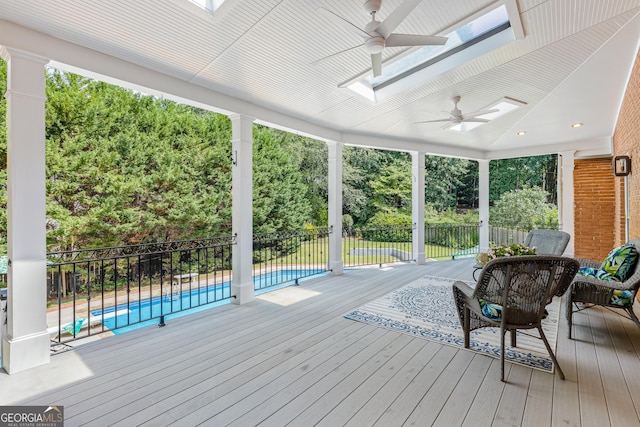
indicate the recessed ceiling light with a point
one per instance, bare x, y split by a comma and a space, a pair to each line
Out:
576, 125
521, 133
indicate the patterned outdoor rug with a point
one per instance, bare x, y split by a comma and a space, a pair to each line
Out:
425, 308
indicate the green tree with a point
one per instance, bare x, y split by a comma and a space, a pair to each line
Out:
512, 174
392, 188
279, 192
525, 208
444, 181
126, 168
310, 156
360, 165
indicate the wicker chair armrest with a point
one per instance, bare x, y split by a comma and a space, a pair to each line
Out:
588, 263
465, 294
465, 289
592, 281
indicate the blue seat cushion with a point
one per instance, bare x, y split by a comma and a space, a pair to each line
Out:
493, 311
622, 298
597, 273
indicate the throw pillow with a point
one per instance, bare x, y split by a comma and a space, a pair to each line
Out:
621, 261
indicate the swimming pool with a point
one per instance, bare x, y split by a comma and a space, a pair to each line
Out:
128, 316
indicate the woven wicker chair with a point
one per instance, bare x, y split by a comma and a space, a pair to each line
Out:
522, 286
586, 292
547, 242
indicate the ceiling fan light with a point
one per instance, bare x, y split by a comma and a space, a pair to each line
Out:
374, 45
577, 125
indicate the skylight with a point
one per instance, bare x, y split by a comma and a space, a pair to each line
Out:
482, 33
208, 5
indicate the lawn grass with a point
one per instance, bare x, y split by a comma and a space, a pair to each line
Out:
315, 252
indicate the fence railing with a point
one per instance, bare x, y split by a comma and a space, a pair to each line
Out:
506, 235
98, 290
289, 256
376, 245
446, 241
103, 289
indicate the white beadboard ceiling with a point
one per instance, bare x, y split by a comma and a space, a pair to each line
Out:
256, 57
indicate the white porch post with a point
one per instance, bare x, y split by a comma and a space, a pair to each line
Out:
483, 203
417, 205
242, 207
26, 344
336, 263
566, 199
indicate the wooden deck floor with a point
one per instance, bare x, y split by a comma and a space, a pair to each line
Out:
297, 361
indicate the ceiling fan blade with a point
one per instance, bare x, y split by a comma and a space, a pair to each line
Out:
396, 17
413, 40
343, 22
479, 113
335, 54
474, 120
433, 121
376, 64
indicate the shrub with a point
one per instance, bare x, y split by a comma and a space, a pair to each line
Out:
525, 208
388, 227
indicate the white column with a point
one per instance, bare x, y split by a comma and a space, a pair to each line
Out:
417, 205
26, 344
242, 207
483, 203
336, 263
566, 199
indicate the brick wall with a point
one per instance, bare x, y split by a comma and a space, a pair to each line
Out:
595, 201
626, 141
599, 223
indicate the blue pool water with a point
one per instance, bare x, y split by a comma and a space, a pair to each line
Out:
147, 311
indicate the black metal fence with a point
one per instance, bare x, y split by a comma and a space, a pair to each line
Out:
92, 291
506, 235
446, 241
289, 256
376, 245
98, 290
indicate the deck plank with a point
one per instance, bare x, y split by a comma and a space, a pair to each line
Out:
305, 364
456, 408
288, 402
590, 388
346, 408
368, 413
628, 354
537, 410
618, 398
402, 407
566, 400
485, 404
510, 410
429, 407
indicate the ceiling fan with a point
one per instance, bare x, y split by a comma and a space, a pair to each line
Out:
456, 116
378, 35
